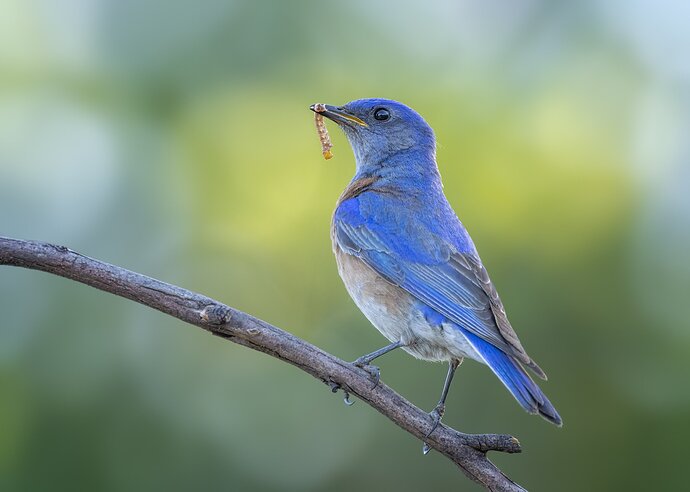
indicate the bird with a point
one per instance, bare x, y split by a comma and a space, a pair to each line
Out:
408, 262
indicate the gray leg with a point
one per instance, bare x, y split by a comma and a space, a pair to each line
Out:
365, 361
437, 413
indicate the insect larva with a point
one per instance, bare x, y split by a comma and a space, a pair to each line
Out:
326, 144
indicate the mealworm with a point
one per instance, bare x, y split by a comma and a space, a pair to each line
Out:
326, 144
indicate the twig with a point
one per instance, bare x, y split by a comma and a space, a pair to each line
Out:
466, 450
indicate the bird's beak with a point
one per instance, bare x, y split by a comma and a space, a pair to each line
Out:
338, 115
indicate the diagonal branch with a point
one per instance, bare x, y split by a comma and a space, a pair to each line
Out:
465, 450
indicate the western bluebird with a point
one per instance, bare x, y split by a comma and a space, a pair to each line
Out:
408, 262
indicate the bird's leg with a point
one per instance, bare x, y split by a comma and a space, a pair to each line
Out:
365, 361
438, 411
440, 408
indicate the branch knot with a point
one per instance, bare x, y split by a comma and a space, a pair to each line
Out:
216, 314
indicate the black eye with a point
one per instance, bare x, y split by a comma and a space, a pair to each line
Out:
382, 114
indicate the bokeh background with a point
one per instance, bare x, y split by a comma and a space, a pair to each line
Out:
173, 138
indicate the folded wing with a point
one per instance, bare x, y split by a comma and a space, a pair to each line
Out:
455, 284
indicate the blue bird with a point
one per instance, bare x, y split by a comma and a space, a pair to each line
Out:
408, 262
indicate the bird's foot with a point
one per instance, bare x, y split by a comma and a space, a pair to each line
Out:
436, 415
374, 371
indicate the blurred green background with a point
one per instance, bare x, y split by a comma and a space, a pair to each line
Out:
173, 138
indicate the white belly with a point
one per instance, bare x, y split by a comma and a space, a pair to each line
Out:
396, 314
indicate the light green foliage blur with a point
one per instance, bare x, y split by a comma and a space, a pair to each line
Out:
173, 138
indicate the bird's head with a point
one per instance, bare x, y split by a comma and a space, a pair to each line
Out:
380, 129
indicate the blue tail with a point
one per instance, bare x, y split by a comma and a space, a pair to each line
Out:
514, 377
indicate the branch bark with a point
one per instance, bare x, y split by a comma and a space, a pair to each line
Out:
466, 450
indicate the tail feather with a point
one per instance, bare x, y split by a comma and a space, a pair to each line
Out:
514, 377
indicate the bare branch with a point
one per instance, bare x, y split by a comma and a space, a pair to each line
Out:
466, 450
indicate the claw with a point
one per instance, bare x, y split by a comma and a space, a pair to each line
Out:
436, 414
335, 387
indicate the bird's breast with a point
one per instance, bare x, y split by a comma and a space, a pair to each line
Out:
387, 306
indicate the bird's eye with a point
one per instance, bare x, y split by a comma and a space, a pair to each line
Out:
382, 114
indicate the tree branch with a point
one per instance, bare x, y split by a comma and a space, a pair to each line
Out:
465, 450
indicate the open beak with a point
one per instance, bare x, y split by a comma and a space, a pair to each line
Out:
338, 115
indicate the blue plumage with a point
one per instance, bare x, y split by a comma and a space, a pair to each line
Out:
408, 262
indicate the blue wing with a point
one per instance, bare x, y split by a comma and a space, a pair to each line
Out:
432, 269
